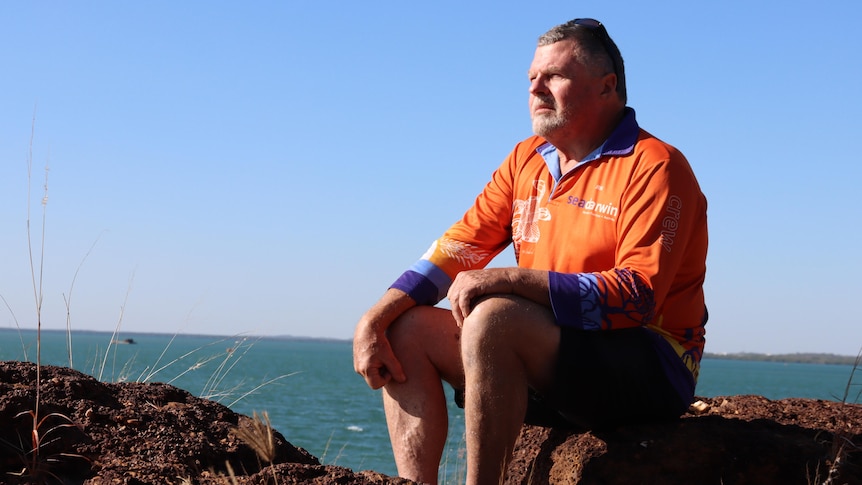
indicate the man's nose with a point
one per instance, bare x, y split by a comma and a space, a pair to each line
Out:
537, 85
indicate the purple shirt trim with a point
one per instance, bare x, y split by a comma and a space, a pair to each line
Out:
565, 299
622, 140
418, 287
574, 301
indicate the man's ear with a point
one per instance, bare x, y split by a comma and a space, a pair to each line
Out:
609, 84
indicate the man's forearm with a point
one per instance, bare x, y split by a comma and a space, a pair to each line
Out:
389, 307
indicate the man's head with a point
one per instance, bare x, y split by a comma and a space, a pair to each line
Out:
596, 48
577, 78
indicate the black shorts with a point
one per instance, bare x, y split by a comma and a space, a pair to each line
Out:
604, 379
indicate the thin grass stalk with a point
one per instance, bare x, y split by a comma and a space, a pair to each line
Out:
126, 371
197, 365
141, 377
155, 370
840, 439
30, 253
850, 384
39, 300
215, 380
17, 326
326, 447
37, 282
340, 452
156, 363
218, 395
263, 384
68, 303
116, 331
232, 353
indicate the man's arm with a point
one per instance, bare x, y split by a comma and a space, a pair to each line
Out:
468, 245
661, 245
373, 358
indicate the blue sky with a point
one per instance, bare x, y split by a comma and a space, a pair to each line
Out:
270, 167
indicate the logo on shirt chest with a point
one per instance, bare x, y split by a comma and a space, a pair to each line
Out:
526, 214
605, 210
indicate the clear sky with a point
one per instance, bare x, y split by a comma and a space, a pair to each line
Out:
271, 167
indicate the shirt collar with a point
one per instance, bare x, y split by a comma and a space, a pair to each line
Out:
622, 140
620, 143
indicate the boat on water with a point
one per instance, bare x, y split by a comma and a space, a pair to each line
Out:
129, 341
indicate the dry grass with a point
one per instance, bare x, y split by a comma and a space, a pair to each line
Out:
36, 465
842, 443
257, 433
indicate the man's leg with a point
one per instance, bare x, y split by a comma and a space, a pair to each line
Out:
508, 344
426, 342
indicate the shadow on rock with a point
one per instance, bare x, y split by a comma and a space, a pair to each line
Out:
734, 440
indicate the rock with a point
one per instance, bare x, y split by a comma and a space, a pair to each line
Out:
733, 440
96, 433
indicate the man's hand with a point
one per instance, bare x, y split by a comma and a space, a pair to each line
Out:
373, 358
470, 285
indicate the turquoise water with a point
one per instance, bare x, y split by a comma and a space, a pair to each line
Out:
308, 388
776, 380
317, 402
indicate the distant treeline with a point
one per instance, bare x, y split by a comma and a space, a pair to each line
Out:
802, 358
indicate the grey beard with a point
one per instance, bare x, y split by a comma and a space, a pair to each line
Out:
544, 125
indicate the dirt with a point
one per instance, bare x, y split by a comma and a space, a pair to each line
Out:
728, 440
138, 433
89, 432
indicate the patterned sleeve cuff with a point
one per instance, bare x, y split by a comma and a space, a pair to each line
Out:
572, 300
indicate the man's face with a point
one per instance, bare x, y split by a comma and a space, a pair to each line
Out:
563, 92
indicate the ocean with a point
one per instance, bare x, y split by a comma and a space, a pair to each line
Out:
313, 397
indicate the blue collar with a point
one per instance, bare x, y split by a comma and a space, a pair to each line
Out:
620, 143
622, 140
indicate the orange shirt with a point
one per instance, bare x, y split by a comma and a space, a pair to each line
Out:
623, 235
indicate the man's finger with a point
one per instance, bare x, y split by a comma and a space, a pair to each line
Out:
456, 312
376, 377
394, 370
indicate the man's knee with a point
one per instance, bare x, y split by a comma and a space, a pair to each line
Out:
406, 330
509, 325
504, 317
488, 324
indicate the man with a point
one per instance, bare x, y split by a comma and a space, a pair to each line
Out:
602, 321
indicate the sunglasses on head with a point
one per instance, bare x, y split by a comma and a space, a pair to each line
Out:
601, 34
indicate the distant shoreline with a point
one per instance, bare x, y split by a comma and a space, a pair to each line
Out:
795, 358
798, 358
124, 333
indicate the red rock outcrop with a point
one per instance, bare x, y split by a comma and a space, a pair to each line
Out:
92, 433
726, 440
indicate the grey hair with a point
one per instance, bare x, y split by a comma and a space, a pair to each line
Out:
591, 50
